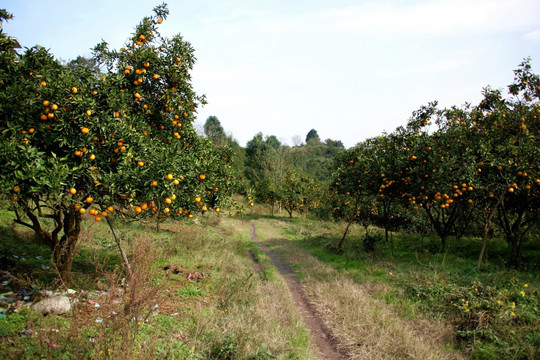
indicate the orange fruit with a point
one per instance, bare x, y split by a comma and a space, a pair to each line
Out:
197, 199
89, 200
46, 103
169, 177
168, 200
82, 210
92, 157
43, 83
144, 206
202, 176
88, 112
74, 90
110, 209
104, 214
140, 163
85, 130
73, 191
138, 209
54, 107
98, 219
43, 117
159, 21
154, 183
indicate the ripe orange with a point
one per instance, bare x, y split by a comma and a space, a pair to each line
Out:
202, 176
104, 214
140, 163
144, 206
74, 90
154, 183
92, 157
159, 21
16, 188
168, 200
169, 177
98, 219
146, 64
176, 182
73, 191
197, 199
89, 200
155, 76
82, 210
54, 107
43, 83
46, 103
138, 209
43, 117
85, 130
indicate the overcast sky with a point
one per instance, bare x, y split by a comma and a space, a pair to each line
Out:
349, 69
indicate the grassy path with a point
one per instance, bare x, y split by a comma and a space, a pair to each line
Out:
364, 326
320, 334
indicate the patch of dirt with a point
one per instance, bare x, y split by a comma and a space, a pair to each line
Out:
192, 275
320, 334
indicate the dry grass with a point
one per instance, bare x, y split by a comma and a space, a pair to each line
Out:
254, 316
366, 328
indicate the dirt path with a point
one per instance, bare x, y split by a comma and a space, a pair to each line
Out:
319, 332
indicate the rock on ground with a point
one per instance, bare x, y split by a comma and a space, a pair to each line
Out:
53, 305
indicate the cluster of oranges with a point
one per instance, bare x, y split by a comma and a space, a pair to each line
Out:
49, 110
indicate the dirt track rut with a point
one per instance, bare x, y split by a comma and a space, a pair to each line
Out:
320, 334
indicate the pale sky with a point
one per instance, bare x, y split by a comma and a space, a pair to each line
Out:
348, 69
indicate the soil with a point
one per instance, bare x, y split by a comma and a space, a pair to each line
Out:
320, 334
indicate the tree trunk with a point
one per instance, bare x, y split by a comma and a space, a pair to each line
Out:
121, 249
64, 249
486, 233
344, 235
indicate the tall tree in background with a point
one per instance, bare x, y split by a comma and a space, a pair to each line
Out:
312, 135
214, 131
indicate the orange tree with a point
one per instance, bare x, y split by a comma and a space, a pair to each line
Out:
349, 197
294, 192
440, 174
120, 141
507, 130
